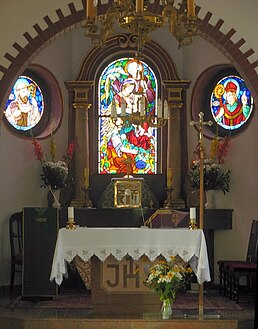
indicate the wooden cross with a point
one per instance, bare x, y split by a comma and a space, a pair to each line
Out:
200, 124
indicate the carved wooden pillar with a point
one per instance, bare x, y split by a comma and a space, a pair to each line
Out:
81, 105
175, 97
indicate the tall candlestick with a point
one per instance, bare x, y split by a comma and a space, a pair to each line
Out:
86, 177
90, 9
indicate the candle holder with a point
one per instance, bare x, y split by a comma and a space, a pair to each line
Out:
192, 224
168, 201
87, 201
70, 224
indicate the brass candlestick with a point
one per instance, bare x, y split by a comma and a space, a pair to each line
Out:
168, 202
70, 224
192, 224
87, 203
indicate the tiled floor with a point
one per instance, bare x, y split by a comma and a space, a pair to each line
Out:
86, 319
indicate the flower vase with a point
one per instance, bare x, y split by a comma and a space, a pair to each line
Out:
166, 309
53, 198
210, 199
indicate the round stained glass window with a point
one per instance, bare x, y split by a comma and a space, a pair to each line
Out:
25, 105
231, 103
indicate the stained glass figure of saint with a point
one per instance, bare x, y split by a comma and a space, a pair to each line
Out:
124, 144
231, 103
25, 104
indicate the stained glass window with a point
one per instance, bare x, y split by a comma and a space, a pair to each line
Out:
125, 146
25, 104
231, 102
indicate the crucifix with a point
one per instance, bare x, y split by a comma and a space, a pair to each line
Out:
200, 124
128, 161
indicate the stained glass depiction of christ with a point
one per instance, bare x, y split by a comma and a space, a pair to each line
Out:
231, 103
126, 146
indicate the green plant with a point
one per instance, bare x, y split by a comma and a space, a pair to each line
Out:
214, 176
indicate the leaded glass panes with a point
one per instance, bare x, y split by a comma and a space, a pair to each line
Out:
231, 102
25, 104
124, 146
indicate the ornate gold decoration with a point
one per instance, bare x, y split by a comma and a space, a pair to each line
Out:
140, 18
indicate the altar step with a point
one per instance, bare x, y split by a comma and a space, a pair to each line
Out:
74, 323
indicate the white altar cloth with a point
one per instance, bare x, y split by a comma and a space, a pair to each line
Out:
85, 242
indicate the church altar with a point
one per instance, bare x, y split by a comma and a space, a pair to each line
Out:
95, 245
85, 242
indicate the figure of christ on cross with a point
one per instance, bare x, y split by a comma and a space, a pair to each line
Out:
128, 162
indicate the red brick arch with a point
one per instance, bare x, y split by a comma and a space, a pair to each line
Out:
211, 33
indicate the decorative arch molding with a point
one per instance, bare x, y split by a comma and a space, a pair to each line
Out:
74, 19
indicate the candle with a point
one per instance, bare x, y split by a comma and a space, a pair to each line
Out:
113, 109
90, 9
142, 106
169, 177
159, 108
139, 6
70, 212
86, 177
123, 108
192, 213
165, 109
190, 8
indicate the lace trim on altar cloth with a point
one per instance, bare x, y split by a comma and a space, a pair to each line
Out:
119, 254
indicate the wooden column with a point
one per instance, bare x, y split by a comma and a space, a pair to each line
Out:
175, 96
81, 106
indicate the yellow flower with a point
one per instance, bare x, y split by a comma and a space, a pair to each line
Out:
170, 274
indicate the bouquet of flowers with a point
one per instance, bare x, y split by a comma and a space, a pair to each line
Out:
215, 177
54, 173
166, 278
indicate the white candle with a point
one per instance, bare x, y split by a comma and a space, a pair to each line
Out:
165, 109
70, 212
86, 177
142, 106
123, 108
113, 109
159, 108
192, 213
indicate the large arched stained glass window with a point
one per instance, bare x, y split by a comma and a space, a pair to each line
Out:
25, 105
231, 103
126, 146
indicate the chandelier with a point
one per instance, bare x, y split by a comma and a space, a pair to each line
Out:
139, 18
139, 116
